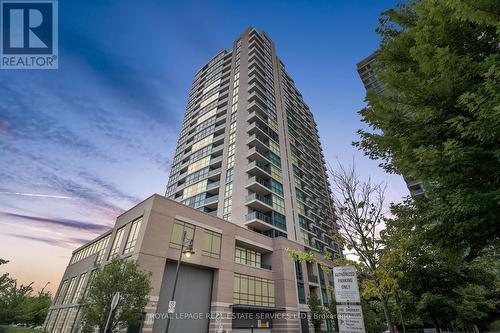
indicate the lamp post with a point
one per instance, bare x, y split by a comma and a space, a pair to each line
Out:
188, 252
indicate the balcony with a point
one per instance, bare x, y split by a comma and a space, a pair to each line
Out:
256, 107
259, 169
262, 222
213, 188
259, 202
256, 140
258, 184
257, 154
216, 162
255, 264
210, 202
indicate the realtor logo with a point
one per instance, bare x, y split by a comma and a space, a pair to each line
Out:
29, 37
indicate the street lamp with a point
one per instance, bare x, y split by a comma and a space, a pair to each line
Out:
188, 251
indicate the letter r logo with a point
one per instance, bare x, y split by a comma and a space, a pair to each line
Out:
27, 27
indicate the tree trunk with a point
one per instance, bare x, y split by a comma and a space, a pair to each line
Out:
387, 314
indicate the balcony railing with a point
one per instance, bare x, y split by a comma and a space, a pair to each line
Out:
254, 264
266, 218
260, 197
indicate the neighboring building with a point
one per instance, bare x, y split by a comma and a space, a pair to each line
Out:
248, 181
367, 73
368, 76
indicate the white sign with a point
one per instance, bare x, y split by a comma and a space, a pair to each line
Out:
116, 299
171, 307
350, 319
346, 284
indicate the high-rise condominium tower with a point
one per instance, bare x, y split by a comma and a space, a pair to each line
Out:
249, 150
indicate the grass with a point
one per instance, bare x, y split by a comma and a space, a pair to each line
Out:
12, 329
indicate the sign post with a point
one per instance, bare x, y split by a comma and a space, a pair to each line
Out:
114, 303
349, 312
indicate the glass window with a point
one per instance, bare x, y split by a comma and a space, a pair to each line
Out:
194, 189
71, 289
199, 164
79, 288
69, 314
103, 244
61, 317
209, 100
211, 244
117, 242
62, 292
247, 257
211, 86
276, 172
277, 187
89, 282
252, 290
177, 230
278, 204
203, 142
132, 236
275, 148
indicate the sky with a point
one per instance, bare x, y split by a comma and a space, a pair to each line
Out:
81, 144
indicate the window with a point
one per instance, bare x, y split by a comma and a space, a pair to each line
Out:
276, 187
69, 313
194, 189
203, 142
52, 317
195, 201
132, 236
89, 282
79, 288
71, 289
199, 164
209, 100
61, 317
97, 247
278, 204
247, 257
211, 244
177, 230
62, 292
304, 237
253, 290
117, 242
211, 86
302, 293
275, 172
275, 148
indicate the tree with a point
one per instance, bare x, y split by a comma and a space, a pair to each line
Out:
316, 311
438, 116
123, 276
17, 304
439, 288
359, 208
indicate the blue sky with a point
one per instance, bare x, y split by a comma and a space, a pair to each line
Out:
83, 143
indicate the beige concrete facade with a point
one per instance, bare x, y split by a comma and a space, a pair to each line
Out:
152, 251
